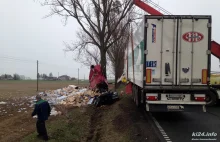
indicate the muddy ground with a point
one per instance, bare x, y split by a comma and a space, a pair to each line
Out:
122, 121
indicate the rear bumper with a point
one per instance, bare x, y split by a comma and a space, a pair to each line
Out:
176, 88
176, 102
175, 107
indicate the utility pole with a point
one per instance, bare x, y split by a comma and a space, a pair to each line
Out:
78, 76
37, 75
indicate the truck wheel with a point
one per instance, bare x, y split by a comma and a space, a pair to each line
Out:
143, 97
138, 96
133, 93
211, 98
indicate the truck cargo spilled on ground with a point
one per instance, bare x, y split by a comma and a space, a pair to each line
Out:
76, 96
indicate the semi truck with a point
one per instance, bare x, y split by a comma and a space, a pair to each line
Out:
168, 62
213, 48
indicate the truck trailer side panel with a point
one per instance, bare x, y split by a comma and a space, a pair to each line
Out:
135, 66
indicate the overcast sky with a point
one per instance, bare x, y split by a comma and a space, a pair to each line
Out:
26, 37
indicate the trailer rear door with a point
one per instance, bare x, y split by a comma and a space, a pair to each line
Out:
193, 51
161, 49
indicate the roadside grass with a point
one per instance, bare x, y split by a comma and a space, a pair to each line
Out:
119, 122
71, 126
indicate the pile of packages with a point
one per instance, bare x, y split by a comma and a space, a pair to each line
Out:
71, 95
75, 96
80, 98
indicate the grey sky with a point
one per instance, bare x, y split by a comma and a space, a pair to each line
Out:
25, 35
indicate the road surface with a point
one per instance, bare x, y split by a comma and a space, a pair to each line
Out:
180, 126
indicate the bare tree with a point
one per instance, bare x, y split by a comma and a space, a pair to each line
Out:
116, 54
94, 18
88, 56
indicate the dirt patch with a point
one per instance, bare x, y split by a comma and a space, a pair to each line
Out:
122, 121
136, 121
95, 125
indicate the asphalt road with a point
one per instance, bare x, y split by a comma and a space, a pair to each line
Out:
179, 126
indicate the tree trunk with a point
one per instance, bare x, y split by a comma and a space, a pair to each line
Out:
116, 76
103, 63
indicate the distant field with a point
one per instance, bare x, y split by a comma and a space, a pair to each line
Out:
12, 88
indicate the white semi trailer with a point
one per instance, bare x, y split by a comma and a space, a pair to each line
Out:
168, 62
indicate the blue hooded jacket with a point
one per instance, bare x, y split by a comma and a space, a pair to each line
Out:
42, 110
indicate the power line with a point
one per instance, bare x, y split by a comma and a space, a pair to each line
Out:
21, 60
33, 61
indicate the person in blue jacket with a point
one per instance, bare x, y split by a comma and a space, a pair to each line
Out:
42, 110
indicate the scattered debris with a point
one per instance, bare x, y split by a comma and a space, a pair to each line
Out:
53, 113
67, 96
2, 103
71, 95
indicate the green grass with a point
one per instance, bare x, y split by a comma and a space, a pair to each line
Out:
70, 127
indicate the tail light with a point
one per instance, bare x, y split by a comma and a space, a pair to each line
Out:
204, 76
151, 98
200, 98
148, 75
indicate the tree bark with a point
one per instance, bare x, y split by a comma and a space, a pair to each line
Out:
116, 76
103, 62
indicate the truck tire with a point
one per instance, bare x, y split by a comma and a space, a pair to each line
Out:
143, 97
133, 93
138, 96
211, 98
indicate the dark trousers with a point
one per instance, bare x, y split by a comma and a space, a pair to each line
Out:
41, 129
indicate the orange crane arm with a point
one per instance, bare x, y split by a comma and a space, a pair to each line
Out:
215, 47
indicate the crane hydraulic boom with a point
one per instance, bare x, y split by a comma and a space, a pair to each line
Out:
215, 47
